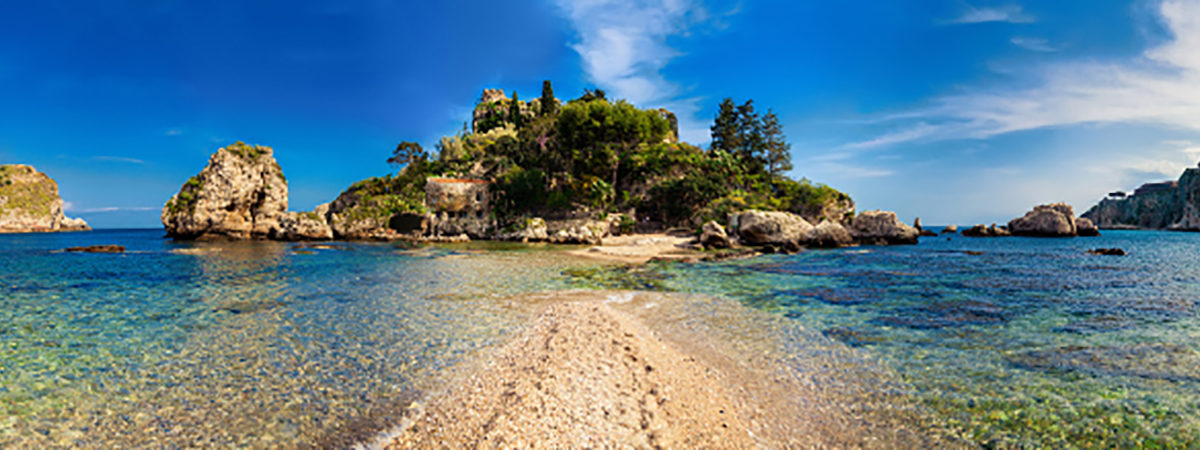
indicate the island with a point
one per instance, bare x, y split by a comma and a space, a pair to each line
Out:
29, 203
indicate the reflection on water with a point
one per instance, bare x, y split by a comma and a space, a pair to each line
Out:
1011, 342
236, 344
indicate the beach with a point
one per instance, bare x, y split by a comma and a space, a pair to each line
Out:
589, 372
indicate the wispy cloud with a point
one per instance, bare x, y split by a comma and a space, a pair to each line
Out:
623, 44
1008, 13
120, 159
1034, 44
1161, 87
174, 132
70, 207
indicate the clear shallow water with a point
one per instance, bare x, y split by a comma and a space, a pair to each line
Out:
1005, 341
1021, 342
237, 344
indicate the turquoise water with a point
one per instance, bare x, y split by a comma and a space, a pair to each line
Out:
238, 344
1006, 341
1011, 342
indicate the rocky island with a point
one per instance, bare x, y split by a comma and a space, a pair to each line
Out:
573, 172
29, 202
1166, 205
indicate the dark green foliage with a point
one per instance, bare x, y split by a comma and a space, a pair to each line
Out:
514, 111
407, 153
548, 103
596, 156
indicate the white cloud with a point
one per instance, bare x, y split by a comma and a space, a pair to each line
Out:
174, 132
1034, 44
107, 209
121, 159
1009, 13
623, 44
1161, 87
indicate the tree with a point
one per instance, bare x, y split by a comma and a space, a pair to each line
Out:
725, 128
407, 153
778, 151
514, 111
548, 103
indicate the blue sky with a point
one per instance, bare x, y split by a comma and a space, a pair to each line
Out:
954, 111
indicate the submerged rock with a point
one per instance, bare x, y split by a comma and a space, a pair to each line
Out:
1150, 361
770, 228
97, 249
882, 228
712, 235
241, 194
1052, 220
29, 202
1107, 251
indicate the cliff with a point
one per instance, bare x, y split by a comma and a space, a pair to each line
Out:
241, 194
1165, 205
29, 202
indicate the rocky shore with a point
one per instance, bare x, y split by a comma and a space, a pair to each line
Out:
29, 202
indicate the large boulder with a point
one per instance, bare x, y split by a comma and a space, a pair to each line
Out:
882, 228
770, 228
578, 231
712, 235
302, 226
241, 194
1053, 220
1085, 227
978, 230
950, 229
29, 202
829, 235
526, 230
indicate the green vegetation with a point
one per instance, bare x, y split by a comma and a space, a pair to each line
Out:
33, 199
186, 199
593, 155
247, 151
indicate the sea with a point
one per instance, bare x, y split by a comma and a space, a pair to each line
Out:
994, 342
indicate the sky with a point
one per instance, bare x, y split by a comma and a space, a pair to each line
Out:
954, 111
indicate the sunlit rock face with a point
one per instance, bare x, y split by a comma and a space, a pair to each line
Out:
241, 194
29, 202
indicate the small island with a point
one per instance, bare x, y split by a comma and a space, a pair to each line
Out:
29, 202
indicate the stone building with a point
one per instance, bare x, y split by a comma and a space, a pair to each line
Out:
457, 198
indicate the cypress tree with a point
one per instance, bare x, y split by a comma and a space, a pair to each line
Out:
778, 151
514, 111
547, 100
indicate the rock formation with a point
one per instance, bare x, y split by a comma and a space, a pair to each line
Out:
950, 229
303, 226
829, 235
882, 228
1084, 227
770, 228
29, 202
241, 194
1171, 205
527, 230
712, 235
1053, 220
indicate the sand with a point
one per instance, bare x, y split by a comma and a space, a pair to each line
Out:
594, 370
641, 248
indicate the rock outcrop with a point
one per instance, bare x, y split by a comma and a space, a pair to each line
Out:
712, 235
950, 229
770, 228
527, 230
29, 202
578, 231
303, 226
1053, 220
1173, 205
241, 194
1085, 227
829, 235
882, 228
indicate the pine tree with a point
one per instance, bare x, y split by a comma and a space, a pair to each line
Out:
724, 129
549, 104
514, 111
778, 151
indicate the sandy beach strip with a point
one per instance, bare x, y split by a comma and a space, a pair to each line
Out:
587, 372
641, 248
